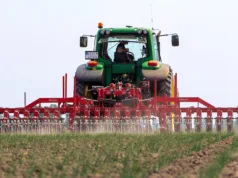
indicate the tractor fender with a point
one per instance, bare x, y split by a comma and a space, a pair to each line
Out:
84, 75
161, 73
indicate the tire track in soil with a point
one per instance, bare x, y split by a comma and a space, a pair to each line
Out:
190, 166
231, 169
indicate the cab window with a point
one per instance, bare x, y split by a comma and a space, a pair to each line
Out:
135, 44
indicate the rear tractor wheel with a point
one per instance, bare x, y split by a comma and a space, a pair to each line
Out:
82, 89
165, 87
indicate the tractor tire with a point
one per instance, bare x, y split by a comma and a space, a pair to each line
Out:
80, 88
165, 87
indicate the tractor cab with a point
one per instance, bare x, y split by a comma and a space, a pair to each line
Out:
126, 45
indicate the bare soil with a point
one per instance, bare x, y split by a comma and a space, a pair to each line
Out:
231, 169
191, 166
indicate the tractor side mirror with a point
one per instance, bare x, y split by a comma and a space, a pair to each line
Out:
175, 40
83, 41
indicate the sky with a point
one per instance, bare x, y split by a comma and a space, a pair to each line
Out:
39, 43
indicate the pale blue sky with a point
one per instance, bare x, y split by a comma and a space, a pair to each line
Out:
39, 43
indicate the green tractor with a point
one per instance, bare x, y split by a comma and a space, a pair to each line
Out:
127, 55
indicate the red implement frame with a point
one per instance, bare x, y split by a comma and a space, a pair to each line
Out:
75, 105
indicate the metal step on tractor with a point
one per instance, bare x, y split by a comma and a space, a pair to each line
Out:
124, 86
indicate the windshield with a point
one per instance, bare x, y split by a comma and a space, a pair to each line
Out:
135, 45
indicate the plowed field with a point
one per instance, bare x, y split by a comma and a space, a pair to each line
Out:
109, 155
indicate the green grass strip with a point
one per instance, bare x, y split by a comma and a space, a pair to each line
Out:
215, 168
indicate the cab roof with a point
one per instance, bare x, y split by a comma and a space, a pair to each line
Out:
127, 29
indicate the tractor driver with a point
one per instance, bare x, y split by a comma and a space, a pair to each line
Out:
121, 55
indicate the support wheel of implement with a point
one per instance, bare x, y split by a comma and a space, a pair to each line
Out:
165, 87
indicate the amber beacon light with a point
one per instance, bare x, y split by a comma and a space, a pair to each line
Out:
100, 25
